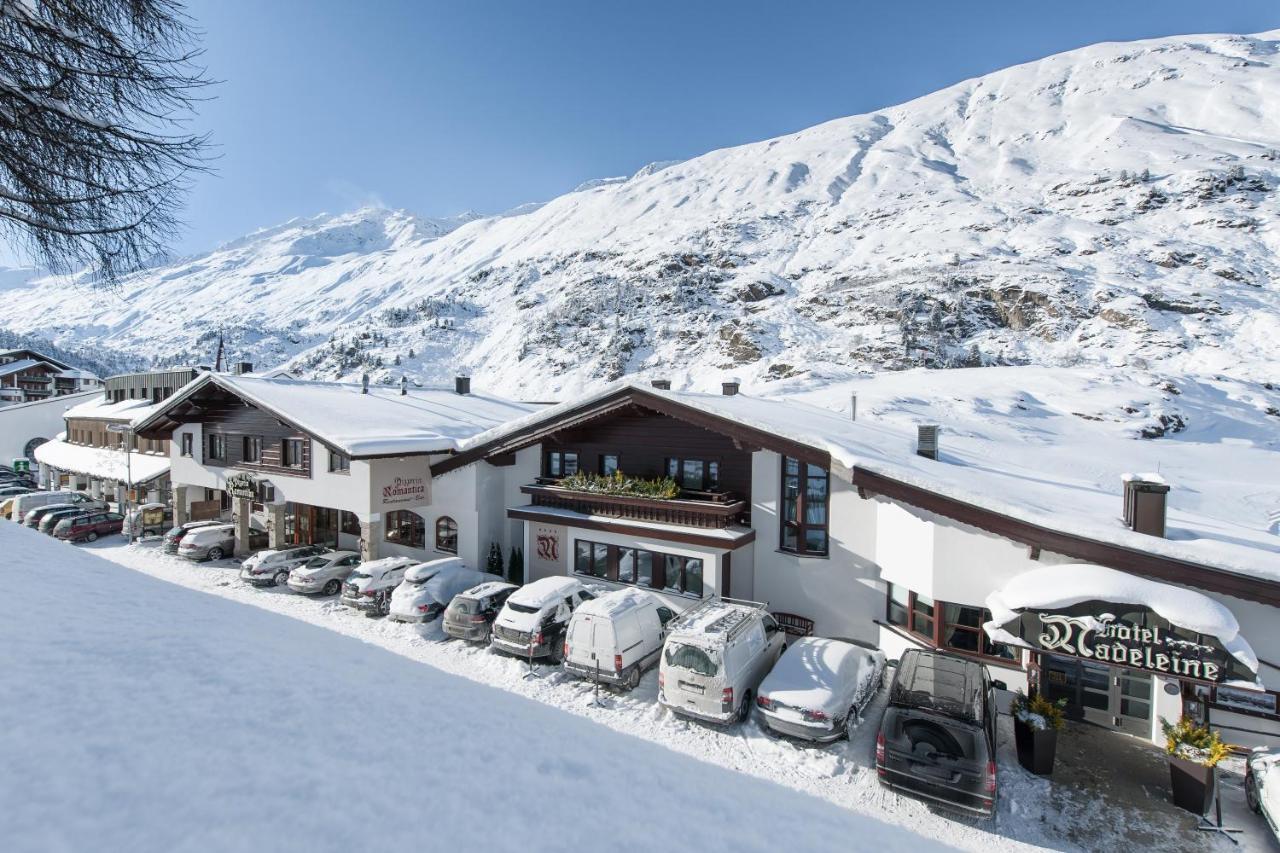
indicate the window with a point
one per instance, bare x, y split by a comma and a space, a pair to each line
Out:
293, 452
217, 446
667, 572
446, 535
562, 463
339, 462
348, 523
698, 475
609, 464
188, 440
804, 507
252, 448
945, 625
405, 527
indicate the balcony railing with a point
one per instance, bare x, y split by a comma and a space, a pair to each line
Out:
722, 511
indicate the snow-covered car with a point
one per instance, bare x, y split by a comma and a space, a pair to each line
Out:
175, 534
13, 491
616, 637
818, 688
323, 574
22, 504
32, 518
219, 540
428, 588
533, 620
471, 613
715, 657
370, 585
1262, 786
50, 519
272, 567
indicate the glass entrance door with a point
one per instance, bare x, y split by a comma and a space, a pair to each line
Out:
1103, 695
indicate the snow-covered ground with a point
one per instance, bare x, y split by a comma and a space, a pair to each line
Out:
324, 719
138, 715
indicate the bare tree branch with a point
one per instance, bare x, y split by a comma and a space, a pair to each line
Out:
95, 160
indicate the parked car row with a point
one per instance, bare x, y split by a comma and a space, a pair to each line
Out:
717, 662
16, 507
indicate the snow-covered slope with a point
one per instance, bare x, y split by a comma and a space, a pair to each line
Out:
1114, 205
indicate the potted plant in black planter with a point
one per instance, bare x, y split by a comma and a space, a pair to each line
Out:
1194, 751
1036, 723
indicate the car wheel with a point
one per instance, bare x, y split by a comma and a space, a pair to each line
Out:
1251, 793
332, 587
633, 680
91, 536
744, 710
851, 724
215, 554
281, 578
556, 654
384, 604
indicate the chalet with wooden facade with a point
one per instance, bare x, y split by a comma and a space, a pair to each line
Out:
330, 463
28, 376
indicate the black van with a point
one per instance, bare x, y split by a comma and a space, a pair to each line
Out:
937, 739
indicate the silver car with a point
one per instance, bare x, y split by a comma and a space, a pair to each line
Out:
272, 567
324, 574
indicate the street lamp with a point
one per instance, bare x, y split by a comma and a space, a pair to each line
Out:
127, 431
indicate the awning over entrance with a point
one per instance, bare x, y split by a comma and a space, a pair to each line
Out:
1108, 616
105, 463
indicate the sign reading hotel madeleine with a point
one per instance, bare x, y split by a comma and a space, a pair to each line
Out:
1106, 640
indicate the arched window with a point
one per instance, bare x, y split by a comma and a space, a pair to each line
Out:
446, 535
405, 527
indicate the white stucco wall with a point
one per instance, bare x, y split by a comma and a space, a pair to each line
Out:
21, 422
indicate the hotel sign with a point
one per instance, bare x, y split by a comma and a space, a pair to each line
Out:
1106, 640
242, 486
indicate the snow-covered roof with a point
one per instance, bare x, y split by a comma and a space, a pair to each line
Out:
1064, 585
1043, 488
383, 422
77, 373
613, 603
124, 411
23, 364
487, 588
105, 462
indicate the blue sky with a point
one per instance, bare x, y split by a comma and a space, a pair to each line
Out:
443, 107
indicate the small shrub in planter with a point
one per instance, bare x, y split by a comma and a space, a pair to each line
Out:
1194, 751
620, 484
1036, 723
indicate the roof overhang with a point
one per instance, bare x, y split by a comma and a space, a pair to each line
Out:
748, 437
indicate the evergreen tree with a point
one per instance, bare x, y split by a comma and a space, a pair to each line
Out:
494, 564
515, 566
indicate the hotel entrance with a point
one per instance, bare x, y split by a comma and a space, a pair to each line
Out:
310, 525
1109, 696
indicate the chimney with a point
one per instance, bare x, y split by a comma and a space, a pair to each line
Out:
1145, 503
730, 387
462, 384
661, 384
243, 367
364, 383
404, 385
927, 440
853, 407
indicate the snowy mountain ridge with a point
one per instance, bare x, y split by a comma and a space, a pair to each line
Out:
1113, 207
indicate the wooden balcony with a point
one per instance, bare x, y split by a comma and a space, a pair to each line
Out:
723, 511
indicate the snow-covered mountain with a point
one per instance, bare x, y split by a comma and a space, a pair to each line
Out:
1113, 206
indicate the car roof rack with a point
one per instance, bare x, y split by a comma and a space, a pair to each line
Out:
731, 623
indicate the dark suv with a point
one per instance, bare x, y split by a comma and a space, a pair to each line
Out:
938, 736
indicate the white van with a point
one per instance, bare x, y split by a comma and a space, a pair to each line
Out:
616, 637
715, 657
23, 504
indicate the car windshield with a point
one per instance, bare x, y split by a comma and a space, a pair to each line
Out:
317, 562
691, 658
523, 608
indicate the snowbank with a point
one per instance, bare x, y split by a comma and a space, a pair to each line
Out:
167, 719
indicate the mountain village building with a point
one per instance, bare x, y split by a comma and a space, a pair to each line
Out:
27, 376
845, 528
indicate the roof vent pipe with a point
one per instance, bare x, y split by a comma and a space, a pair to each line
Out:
661, 384
1145, 503
462, 384
404, 385
853, 407
730, 387
364, 383
927, 440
